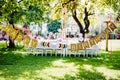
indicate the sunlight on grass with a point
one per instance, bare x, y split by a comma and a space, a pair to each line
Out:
18, 64
2, 78
88, 67
111, 44
109, 73
58, 69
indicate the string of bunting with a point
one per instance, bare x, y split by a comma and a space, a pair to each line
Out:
45, 44
94, 40
62, 45
28, 41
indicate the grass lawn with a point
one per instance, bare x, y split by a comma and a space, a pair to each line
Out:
17, 66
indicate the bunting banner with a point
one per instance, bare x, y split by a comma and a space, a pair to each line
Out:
62, 45
86, 44
73, 47
19, 37
80, 46
8, 29
33, 43
102, 35
45, 44
13, 34
28, 41
92, 42
0, 26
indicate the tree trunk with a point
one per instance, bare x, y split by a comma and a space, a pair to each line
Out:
83, 35
86, 21
77, 21
79, 24
11, 41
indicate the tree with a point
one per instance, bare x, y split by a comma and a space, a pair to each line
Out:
15, 11
53, 26
80, 10
114, 4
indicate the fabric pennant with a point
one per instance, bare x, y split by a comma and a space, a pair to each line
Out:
13, 34
112, 26
102, 35
33, 43
92, 42
26, 40
42, 43
60, 45
1, 26
107, 31
73, 47
97, 39
8, 29
20, 37
79, 46
48, 44
86, 45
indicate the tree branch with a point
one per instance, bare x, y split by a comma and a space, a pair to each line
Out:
90, 14
67, 2
20, 1
57, 9
86, 20
74, 15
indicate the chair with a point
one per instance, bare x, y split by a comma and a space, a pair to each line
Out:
51, 47
94, 50
73, 48
80, 49
60, 49
39, 48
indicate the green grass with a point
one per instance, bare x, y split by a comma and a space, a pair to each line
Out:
17, 66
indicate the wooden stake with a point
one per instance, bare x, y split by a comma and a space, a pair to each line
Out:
107, 22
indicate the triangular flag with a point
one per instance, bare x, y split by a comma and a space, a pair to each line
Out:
13, 34
33, 43
19, 37
79, 46
26, 40
73, 47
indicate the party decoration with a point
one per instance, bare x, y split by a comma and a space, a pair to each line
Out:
92, 42
8, 29
62, 45
33, 43
97, 39
107, 30
102, 35
42, 43
73, 47
20, 37
86, 44
26, 40
13, 34
0, 26
112, 26
79, 46
45, 44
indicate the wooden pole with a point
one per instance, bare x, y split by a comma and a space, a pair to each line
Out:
63, 20
107, 22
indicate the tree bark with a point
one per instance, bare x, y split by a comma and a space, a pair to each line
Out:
11, 41
86, 21
74, 15
85, 29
